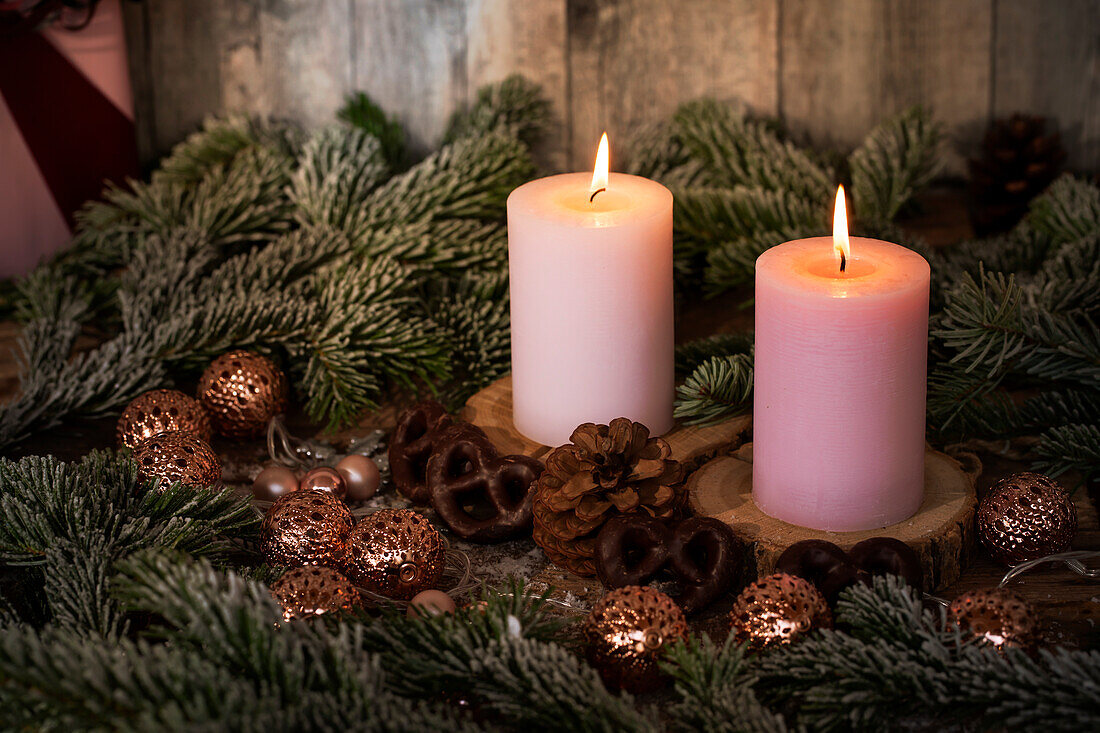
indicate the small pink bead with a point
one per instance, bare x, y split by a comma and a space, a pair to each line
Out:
274, 482
324, 478
431, 603
360, 475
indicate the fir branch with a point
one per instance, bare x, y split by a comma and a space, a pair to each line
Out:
61, 679
514, 106
528, 682
734, 150
1021, 252
1067, 211
656, 151
895, 161
715, 688
337, 171
43, 500
982, 323
1058, 691
965, 403
890, 610
366, 334
361, 112
50, 296
79, 519
838, 682
474, 317
736, 225
718, 388
693, 353
1064, 407
469, 179
90, 384
1069, 280
988, 330
216, 145
439, 249
237, 204
1073, 447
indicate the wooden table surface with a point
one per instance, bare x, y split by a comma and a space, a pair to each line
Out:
1069, 604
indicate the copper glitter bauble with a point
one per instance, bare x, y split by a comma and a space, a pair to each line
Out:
778, 609
327, 479
242, 391
178, 457
997, 615
430, 602
396, 553
306, 528
313, 591
1026, 516
626, 634
161, 411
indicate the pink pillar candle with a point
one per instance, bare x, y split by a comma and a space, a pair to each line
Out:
592, 314
840, 380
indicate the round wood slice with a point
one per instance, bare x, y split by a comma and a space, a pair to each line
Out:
941, 532
491, 410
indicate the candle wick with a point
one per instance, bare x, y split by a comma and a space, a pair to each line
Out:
593, 196
843, 262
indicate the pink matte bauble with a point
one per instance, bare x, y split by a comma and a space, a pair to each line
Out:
430, 602
324, 478
360, 475
274, 482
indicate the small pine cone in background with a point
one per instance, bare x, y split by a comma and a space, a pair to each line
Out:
1019, 160
604, 471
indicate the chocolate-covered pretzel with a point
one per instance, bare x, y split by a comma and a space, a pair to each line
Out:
482, 496
702, 554
706, 558
832, 569
822, 563
888, 556
631, 549
411, 446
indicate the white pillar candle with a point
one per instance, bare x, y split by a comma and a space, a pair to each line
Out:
592, 304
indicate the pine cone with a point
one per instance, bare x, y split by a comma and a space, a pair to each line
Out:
1018, 162
604, 471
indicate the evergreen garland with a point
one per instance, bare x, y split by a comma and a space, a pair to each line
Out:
308, 248
118, 555
741, 187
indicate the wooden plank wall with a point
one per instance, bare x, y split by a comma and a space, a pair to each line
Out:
830, 69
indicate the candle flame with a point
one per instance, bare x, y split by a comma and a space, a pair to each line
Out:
841, 248
599, 171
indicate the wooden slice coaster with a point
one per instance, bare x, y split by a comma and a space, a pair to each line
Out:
491, 410
941, 532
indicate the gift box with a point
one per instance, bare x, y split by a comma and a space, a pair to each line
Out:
66, 121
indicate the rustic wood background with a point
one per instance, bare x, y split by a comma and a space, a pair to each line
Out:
829, 68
